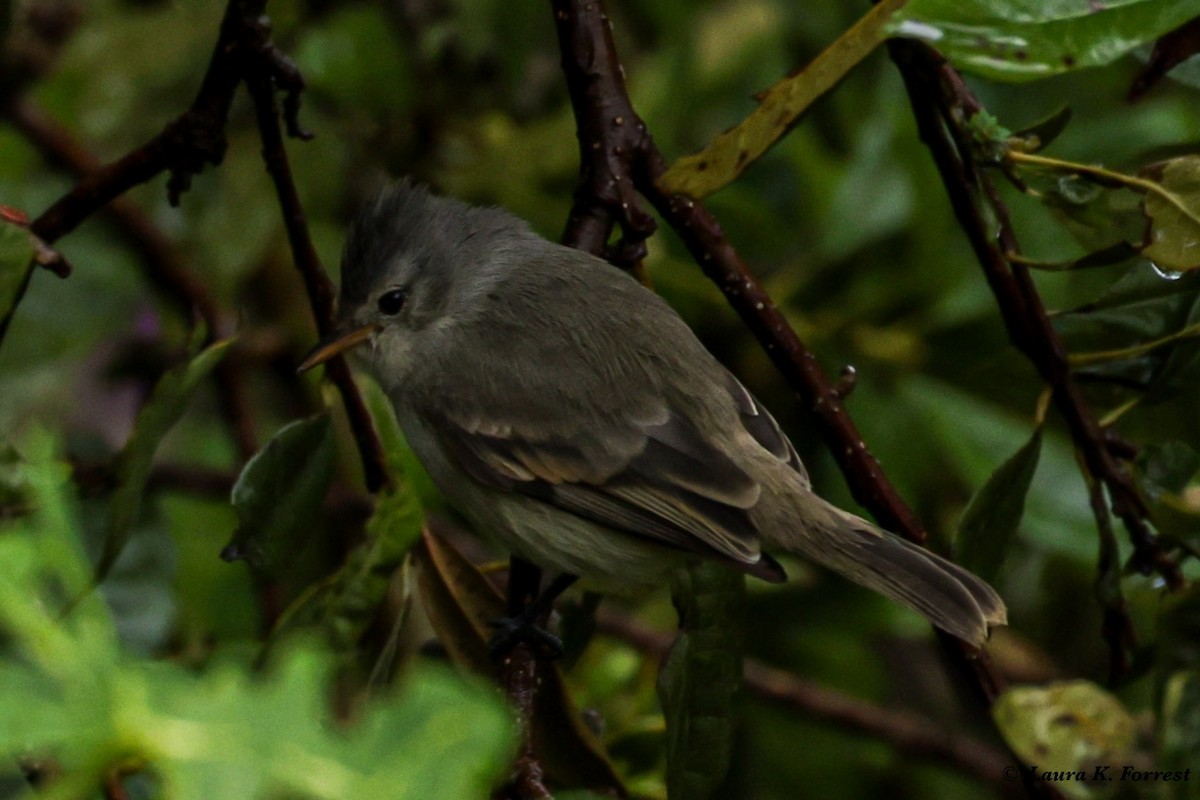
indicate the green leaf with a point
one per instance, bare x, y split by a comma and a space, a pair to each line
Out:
702, 677
70, 691
1040, 134
1167, 467
280, 493
1179, 732
991, 518
1142, 307
344, 56
14, 488
1022, 40
164, 408
16, 258
1096, 216
1178, 642
1067, 726
345, 603
1174, 214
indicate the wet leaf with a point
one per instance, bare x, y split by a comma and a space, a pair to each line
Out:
1144, 306
1167, 467
990, 520
1096, 216
701, 679
164, 408
1179, 732
728, 155
1180, 349
1174, 217
345, 603
1022, 40
279, 495
1067, 726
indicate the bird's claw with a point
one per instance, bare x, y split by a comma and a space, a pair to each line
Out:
512, 631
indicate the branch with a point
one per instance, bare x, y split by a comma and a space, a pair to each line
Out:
910, 733
193, 139
941, 102
162, 262
269, 70
519, 677
598, 94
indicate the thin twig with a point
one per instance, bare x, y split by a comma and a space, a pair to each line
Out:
161, 260
940, 102
262, 81
910, 733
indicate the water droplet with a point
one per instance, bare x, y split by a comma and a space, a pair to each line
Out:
1166, 274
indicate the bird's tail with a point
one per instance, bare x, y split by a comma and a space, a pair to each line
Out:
946, 594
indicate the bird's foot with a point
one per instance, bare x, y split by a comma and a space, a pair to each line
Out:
522, 629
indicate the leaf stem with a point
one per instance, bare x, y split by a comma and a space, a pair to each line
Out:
1131, 181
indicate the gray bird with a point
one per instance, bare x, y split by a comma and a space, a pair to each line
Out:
570, 412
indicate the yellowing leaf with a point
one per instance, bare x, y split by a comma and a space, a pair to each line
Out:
728, 154
1065, 727
1175, 214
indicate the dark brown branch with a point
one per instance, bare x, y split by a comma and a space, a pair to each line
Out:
163, 265
595, 78
1170, 51
262, 83
183, 147
941, 103
910, 733
519, 677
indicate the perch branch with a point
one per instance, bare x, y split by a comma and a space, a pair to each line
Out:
910, 733
595, 79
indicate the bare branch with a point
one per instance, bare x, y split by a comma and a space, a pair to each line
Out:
910, 733
261, 80
941, 103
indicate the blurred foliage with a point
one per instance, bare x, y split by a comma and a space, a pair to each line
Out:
846, 221
216, 733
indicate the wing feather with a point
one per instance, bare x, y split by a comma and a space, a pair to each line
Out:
676, 488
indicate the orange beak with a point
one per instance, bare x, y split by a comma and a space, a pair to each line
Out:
336, 343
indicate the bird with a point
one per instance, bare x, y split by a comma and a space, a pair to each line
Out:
568, 411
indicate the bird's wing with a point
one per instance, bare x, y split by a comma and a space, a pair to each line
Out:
656, 477
759, 423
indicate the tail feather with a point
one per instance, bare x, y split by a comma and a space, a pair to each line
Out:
949, 596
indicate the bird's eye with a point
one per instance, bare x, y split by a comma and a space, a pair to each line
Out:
390, 302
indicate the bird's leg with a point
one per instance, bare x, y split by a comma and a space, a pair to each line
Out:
523, 623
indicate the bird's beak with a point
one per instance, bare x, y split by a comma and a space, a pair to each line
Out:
336, 343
